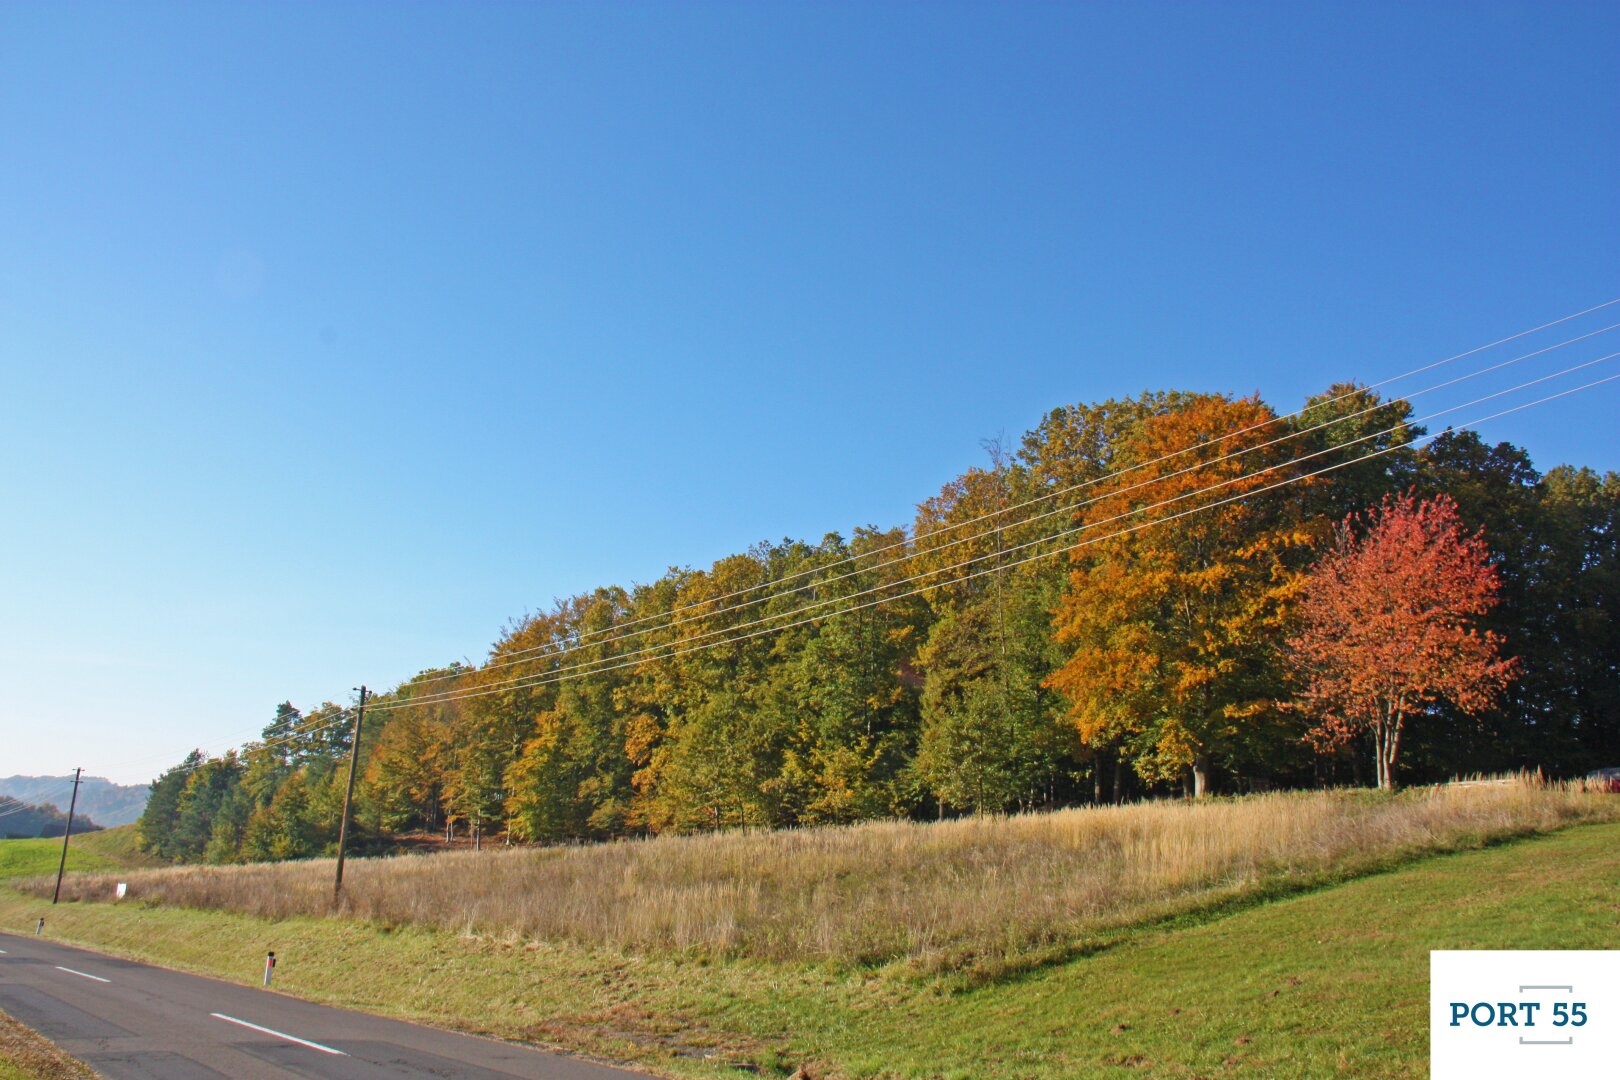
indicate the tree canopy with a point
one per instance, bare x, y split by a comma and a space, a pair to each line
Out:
1103, 611
1390, 626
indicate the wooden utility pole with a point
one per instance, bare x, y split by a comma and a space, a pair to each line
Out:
348, 795
61, 866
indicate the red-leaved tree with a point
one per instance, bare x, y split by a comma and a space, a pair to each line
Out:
1389, 626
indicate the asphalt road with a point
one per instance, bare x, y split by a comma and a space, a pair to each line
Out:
127, 1020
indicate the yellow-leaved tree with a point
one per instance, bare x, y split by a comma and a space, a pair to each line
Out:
1178, 593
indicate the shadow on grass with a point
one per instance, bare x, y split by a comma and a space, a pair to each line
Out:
965, 974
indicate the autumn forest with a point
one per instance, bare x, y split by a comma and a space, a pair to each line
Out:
1178, 594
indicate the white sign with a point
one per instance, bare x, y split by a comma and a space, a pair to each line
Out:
1523, 1013
123, 887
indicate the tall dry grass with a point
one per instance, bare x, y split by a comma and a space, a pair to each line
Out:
984, 890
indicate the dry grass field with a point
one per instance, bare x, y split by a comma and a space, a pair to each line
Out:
979, 892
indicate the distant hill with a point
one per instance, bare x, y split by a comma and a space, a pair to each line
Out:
20, 820
100, 799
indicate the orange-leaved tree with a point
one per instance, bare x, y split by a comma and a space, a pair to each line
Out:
1388, 626
1182, 582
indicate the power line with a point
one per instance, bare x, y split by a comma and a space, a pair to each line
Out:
556, 650
26, 807
1228, 435
46, 796
326, 723
1045, 540
556, 677
580, 641
522, 681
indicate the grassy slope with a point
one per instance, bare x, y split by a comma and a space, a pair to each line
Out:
1332, 982
24, 1055
108, 849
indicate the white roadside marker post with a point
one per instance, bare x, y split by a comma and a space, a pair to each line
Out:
40, 929
269, 966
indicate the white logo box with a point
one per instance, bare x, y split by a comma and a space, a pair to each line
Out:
1529, 1013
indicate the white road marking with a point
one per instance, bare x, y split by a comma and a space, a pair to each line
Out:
280, 1035
81, 974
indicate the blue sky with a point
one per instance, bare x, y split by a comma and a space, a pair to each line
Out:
333, 336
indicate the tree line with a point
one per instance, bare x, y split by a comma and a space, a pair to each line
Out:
20, 820
1119, 605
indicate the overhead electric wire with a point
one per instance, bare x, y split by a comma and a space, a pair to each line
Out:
521, 681
344, 715
690, 648
555, 650
50, 790
250, 744
45, 797
1032, 558
291, 735
956, 525
24, 807
640, 656
341, 717
580, 641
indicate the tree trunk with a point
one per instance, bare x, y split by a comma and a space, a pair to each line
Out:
1392, 746
1385, 749
1201, 775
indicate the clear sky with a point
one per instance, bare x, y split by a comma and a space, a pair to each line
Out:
333, 336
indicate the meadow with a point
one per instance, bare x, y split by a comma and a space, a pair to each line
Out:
105, 849
975, 897
1328, 982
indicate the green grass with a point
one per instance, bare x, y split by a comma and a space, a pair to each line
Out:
117, 845
108, 849
1332, 982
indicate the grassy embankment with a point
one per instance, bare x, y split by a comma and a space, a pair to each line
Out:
106, 849
24, 1055
1195, 982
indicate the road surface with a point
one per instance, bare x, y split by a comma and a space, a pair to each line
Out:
128, 1020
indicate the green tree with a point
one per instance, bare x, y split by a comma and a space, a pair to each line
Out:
1364, 439
208, 796
155, 831
992, 738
